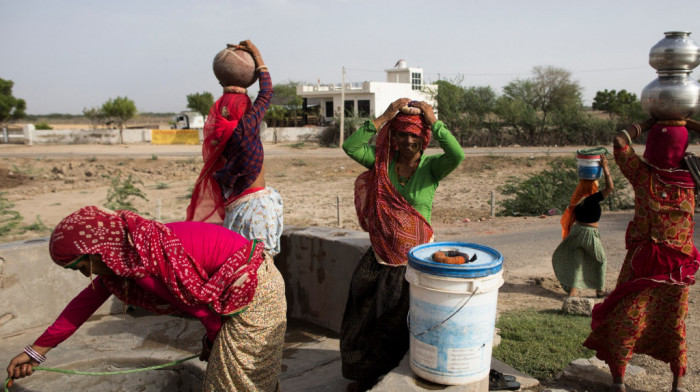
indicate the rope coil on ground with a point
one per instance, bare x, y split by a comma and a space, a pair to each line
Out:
111, 373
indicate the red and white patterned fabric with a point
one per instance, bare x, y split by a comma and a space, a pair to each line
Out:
394, 226
134, 247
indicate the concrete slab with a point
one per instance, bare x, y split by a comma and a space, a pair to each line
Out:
311, 359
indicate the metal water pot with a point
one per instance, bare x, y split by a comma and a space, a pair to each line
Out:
671, 96
676, 51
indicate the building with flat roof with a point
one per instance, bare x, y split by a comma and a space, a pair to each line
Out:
369, 99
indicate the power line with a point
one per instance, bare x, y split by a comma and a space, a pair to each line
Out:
505, 73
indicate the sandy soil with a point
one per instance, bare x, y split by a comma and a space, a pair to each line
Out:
317, 187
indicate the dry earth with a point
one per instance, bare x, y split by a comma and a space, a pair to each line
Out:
317, 188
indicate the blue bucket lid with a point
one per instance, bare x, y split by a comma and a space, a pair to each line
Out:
488, 260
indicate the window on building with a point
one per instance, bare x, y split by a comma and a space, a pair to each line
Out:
416, 80
363, 107
349, 108
329, 109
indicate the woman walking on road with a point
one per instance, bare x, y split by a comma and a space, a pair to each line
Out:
646, 312
579, 261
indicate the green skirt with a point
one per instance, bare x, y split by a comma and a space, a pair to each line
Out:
579, 261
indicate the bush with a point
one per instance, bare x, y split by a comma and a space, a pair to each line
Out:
42, 125
552, 189
331, 136
9, 218
541, 192
120, 194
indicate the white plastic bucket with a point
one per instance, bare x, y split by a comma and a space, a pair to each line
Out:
453, 313
589, 167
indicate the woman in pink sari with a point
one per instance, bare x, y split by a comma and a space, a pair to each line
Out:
184, 268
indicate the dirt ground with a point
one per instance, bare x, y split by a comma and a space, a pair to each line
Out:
317, 188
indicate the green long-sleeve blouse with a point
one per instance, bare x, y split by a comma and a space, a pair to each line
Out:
419, 191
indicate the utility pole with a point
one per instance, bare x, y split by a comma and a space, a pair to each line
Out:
342, 110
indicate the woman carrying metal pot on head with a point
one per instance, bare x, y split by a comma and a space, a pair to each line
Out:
183, 268
646, 311
394, 201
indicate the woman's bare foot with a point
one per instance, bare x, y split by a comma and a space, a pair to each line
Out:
617, 388
573, 292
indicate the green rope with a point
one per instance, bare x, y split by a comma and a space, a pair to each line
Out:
173, 363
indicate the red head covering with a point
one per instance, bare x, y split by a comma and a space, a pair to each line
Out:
410, 123
207, 202
666, 146
134, 247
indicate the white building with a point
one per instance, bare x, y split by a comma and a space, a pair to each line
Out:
370, 99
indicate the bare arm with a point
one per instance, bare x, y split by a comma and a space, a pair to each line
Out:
692, 125
609, 186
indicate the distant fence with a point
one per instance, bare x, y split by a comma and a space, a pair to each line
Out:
28, 134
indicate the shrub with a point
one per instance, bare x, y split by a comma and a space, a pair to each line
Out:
552, 189
9, 218
42, 125
120, 194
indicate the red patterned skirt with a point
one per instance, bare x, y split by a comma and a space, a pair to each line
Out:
648, 321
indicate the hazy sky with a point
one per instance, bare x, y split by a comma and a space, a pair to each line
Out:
67, 55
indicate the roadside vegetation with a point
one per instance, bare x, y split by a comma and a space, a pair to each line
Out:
121, 193
552, 337
549, 191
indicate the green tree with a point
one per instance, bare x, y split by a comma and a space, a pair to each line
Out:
450, 106
620, 105
274, 114
464, 110
549, 90
11, 108
286, 95
200, 102
95, 116
120, 110
613, 102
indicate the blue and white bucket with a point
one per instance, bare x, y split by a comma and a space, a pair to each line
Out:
588, 163
452, 314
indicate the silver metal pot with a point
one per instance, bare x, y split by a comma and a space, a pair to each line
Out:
676, 51
671, 96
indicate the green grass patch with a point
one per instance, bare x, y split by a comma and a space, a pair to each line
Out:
541, 343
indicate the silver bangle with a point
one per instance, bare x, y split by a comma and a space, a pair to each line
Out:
629, 139
638, 128
260, 67
33, 354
